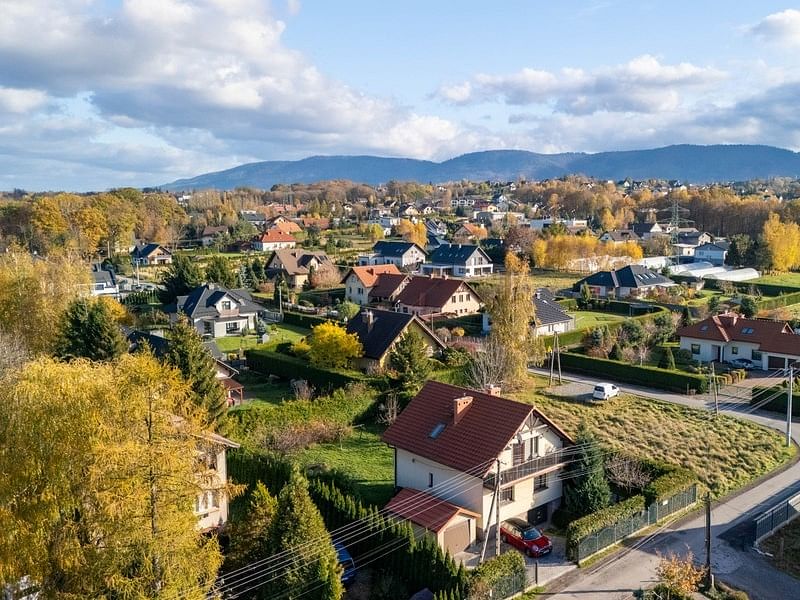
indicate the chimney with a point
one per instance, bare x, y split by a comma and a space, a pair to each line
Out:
460, 406
493, 389
369, 318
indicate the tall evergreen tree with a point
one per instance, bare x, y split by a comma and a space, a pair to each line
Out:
410, 358
90, 331
180, 278
219, 271
587, 488
250, 536
188, 354
312, 571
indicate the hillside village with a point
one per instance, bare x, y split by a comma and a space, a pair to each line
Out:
463, 390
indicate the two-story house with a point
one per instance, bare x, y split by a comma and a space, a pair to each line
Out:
217, 311
210, 233
359, 281
714, 252
437, 296
726, 337
104, 281
405, 255
450, 445
145, 255
273, 239
211, 504
458, 260
549, 316
295, 265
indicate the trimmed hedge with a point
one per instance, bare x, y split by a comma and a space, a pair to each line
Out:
605, 517
779, 301
777, 404
504, 575
269, 362
674, 481
568, 303
575, 337
673, 381
301, 320
743, 287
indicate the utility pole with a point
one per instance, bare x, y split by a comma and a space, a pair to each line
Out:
709, 575
789, 407
714, 389
558, 358
495, 500
497, 513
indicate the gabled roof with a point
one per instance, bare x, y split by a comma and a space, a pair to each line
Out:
297, 262
771, 336
144, 250
369, 275
394, 248
455, 254
211, 231
201, 301
377, 330
632, 276
622, 235
274, 235
102, 275
641, 228
548, 311
474, 229
387, 284
430, 291
721, 246
483, 430
424, 509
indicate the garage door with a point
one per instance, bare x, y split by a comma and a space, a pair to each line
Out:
776, 362
456, 538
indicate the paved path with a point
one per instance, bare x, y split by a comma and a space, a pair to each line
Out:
733, 559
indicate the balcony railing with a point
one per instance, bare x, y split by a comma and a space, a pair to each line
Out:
525, 469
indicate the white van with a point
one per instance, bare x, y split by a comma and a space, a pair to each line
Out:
604, 391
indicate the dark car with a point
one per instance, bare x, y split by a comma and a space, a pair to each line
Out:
525, 537
742, 363
348, 565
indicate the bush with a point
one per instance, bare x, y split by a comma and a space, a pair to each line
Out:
779, 401
667, 359
674, 481
286, 367
301, 320
499, 577
673, 381
596, 521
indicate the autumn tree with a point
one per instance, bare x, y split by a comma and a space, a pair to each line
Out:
187, 353
782, 240
180, 278
416, 233
99, 473
410, 358
331, 346
34, 293
679, 575
218, 271
748, 307
89, 330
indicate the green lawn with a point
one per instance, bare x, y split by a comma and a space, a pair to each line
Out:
726, 453
232, 343
364, 457
267, 392
786, 539
791, 279
283, 332
588, 318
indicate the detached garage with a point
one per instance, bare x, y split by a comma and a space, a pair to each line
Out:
453, 527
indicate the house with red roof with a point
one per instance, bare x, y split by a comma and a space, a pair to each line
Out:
450, 446
437, 296
726, 337
273, 239
359, 281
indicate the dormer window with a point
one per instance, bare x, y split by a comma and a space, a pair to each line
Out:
226, 305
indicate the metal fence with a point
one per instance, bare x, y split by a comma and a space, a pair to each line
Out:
777, 516
504, 588
595, 542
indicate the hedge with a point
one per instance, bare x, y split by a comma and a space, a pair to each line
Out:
779, 301
504, 575
598, 520
301, 320
673, 381
743, 287
674, 481
575, 337
269, 362
777, 404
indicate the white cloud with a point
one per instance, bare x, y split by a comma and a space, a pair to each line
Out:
643, 85
21, 100
779, 28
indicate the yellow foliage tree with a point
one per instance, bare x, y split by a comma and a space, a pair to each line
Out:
416, 233
783, 243
331, 346
100, 465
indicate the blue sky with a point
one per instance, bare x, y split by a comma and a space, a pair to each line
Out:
96, 94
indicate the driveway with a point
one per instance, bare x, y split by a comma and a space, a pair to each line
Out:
733, 558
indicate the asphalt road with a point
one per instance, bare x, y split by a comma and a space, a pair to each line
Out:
733, 558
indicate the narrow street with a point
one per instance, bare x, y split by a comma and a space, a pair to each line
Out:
733, 558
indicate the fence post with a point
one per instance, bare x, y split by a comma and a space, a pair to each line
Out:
536, 572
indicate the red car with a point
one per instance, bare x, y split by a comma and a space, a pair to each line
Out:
525, 537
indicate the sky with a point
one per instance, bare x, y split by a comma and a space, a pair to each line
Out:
96, 94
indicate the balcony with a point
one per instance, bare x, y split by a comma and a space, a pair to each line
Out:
529, 468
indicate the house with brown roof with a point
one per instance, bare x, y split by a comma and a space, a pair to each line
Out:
210, 232
387, 287
379, 331
296, 265
437, 296
283, 225
273, 239
726, 337
449, 444
359, 281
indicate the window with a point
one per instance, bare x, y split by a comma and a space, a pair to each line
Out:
747, 330
540, 483
536, 446
231, 327
430, 480
437, 430
506, 495
453, 299
226, 305
695, 348
734, 349
208, 327
756, 356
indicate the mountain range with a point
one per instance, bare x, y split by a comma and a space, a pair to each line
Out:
688, 163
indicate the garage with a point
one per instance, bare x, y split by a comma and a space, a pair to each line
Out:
776, 362
456, 537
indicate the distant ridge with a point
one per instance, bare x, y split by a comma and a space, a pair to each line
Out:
689, 163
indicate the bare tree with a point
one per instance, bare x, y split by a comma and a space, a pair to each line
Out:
627, 473
388, 411
301, 389
488, 366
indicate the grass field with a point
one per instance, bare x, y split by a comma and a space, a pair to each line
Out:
364, 457
270, 393
279, 332
784, 545
588, 318
232, 343
791, 279
726, 453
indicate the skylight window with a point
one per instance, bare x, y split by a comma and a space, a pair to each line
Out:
747, 330
437, 430
704, 328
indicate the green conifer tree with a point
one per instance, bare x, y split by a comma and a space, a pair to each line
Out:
587, 488
219, 271
410, 359
180, 278
667, 359
250, 539
90, 331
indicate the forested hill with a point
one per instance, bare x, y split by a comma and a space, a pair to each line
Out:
695, 164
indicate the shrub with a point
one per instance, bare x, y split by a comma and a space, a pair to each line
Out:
667, 359
300, 348
501, 577
289, 367
674, 481
596, 521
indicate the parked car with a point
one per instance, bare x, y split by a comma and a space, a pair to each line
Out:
347, 563
525, 537
604, 391
743, 363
